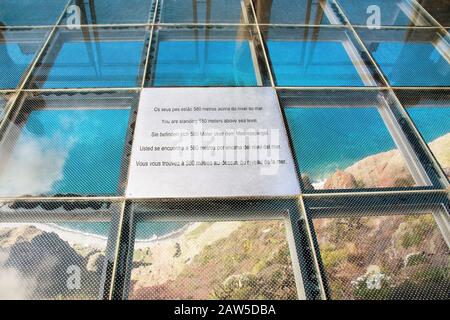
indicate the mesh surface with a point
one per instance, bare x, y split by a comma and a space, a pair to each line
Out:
366, 112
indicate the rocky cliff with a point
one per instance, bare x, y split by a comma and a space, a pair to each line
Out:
387, 169
387, 257
252, 262
38, 265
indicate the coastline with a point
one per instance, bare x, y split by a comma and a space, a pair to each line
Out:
173, 235
79, 237
384, 169
73, 237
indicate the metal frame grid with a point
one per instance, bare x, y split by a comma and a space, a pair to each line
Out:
303, 208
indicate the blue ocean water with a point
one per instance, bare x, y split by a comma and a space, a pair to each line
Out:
144, 230
326, 139
204, 63
432, 122
148, 230
13, 62
30, 12
94, 141
96, 64
411, 64
312, 63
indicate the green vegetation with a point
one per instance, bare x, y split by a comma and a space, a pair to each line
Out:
396, 257
253, 262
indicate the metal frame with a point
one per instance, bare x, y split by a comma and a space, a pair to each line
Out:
308, 285
34, 211
303, 208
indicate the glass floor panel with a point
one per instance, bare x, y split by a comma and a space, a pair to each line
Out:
17, 50
339, 146
212, 260
384, 257
376, 215
414, 62
93, 58
31, 12
204, 58
392, 12
212, 11
314, 56
65, 151
47, 260
312, 64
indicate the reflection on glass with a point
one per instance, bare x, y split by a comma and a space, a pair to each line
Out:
433, 124
392, 12
211, 11
92, 57
17, 50
31, 12
115, 12
40, 261
406, 61
345, 148
438, 9
212, 260
76, 66
204, 58
64, 151
386, 257
295, 12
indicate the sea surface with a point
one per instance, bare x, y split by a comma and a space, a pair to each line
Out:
144, 230
67, 151
411, 64
431, 121
312, 63
327, 139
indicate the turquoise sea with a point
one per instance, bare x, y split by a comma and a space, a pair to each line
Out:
327, 139
67, 151
411, 64
144, 230
432, 122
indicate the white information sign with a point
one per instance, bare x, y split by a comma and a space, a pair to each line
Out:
210, 142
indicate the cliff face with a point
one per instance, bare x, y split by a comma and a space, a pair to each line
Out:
395, 257
386, 169
253, 262
39, 265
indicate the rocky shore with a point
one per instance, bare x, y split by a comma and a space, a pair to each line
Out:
383, 170
37, 264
